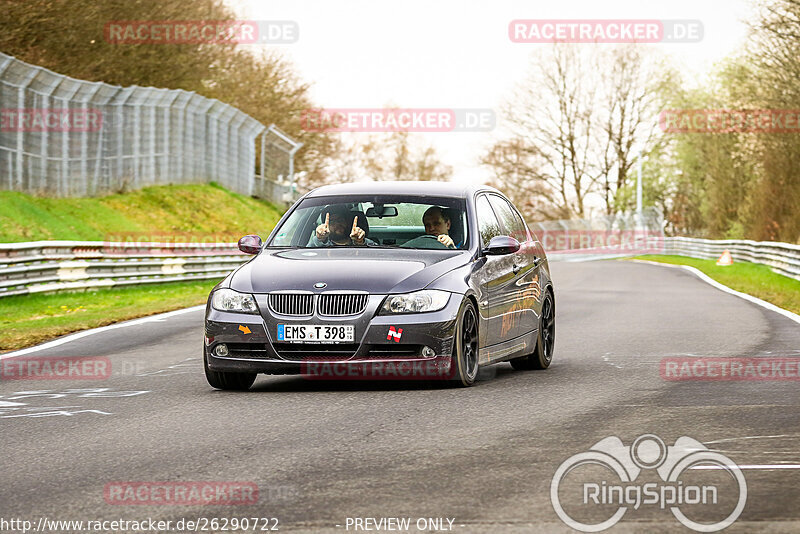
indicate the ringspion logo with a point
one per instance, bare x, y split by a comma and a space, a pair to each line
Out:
611, 479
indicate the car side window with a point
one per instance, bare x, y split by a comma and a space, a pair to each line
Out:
488, 225
510, 218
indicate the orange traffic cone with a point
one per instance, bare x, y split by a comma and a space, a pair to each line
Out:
726, 258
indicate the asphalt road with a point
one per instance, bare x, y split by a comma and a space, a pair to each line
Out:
484, 457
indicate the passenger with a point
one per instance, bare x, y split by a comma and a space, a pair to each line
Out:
437, 223
334, 231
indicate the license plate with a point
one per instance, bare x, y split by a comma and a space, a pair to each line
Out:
316, 333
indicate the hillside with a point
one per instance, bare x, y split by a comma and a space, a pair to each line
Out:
160, 210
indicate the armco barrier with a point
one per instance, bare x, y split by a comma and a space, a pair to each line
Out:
783, 258
48, 266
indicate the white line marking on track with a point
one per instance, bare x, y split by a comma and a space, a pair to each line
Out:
608, 361
704, 277
767, 466
78, 335
753, 437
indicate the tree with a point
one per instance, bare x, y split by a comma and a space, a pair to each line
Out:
633, 87
575, 121
399, 156
68, 37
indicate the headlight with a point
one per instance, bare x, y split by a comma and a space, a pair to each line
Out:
233, 301
427, 300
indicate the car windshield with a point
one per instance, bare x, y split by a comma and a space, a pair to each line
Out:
404, 221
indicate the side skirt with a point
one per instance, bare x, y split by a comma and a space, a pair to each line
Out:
507, 350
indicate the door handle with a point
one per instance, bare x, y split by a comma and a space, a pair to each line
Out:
516, 268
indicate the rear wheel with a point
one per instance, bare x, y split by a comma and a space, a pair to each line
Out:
228, 381
465, 352
542, 353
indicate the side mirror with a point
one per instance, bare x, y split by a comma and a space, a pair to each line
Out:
250, 244
501, 244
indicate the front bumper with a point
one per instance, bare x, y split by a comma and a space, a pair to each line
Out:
424, 344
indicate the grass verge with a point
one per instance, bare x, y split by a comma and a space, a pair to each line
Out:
27, 320
751, 278
203, 212
166, 209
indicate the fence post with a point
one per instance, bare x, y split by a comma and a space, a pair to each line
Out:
85, 141
3, 66
137, 136
45, 137
167, 128
121, 134
152, 131
181, 138
20, 130
63, 185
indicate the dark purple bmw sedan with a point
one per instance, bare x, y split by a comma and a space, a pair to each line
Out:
385, 280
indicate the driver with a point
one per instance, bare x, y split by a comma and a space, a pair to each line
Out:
334, 231
437, 223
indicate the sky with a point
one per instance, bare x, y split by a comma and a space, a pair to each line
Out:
457, 54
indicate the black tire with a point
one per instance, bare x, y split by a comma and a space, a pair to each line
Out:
542, 353
464, 363
228, 381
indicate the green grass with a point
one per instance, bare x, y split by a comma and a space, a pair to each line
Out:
180, 209
751, 278
191, 212
26, 320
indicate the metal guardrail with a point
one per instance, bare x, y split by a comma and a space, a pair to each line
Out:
50, 266
782, 258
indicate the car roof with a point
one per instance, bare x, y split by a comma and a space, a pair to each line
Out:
445, 189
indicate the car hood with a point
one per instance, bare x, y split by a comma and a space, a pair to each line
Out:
374, 270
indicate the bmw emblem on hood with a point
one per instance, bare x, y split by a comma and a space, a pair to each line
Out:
320, 285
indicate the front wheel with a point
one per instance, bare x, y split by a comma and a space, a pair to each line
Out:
228, 381
465, 352
542, 353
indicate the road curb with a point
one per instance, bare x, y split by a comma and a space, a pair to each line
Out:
77, 335
722, 287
